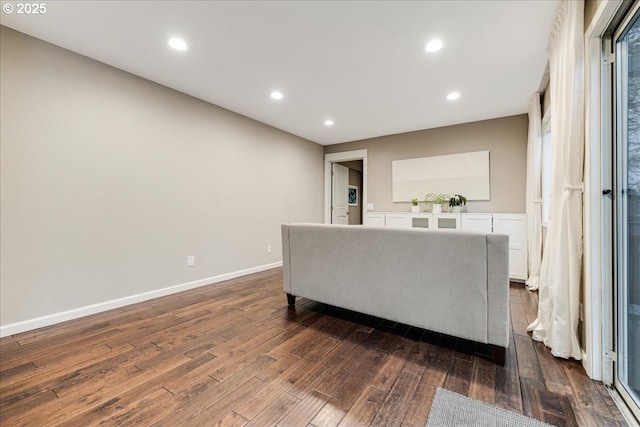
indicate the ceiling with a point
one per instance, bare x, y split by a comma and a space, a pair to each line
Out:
362, 64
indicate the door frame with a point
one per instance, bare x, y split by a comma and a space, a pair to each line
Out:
619, 214
599, 354
597, 256
344, 156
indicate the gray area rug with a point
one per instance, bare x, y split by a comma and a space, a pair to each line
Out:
452, 409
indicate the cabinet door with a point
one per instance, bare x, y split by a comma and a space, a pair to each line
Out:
477, 222
377, 219
398, 220
515, 226
422, 221
446, 221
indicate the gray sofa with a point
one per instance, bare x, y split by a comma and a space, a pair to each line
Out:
452, 282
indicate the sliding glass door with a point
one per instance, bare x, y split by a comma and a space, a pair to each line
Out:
627, 207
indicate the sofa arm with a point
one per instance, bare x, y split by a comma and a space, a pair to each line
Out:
286, 259
498, 319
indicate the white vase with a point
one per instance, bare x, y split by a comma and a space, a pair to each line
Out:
456, 209
415, 209
437, 208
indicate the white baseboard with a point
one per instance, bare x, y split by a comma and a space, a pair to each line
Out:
51, 319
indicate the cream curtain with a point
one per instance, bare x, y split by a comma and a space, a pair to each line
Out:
534, 192
559, 291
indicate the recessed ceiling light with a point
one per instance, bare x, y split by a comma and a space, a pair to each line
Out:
177, 44
434, 45
276, 95
328, 122
453, 96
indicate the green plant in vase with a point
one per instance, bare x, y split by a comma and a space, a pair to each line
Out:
437, 200
457, 202
414, 206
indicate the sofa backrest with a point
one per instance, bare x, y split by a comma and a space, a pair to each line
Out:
445, 281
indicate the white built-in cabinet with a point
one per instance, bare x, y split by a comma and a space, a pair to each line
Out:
377, 219
400, 219
447, 221
421, 220
477, 222
513, 225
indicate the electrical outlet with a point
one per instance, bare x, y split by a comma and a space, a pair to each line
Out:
269, 249
191, 260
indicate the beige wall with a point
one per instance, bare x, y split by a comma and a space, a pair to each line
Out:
109, 181
505, 138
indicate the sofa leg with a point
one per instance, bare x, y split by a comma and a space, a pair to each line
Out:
291, 300
499, 355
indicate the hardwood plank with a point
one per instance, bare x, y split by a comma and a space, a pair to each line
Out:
210, 407
514, 292
418, 358
94, 393
232, 420
44, 348
529, 302
433, 376
303, 413
483, 381
142, 409
358, 371
364, 409
519, 320
528, 365
17, 371
187, 379
508, 392
9, 344
459, 377
594, 409
71, 376
396, 405
387, 374
24, 405
276, 410
289, 377
552, 368
317, 376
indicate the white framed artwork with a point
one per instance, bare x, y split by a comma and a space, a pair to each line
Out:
353, 195
465, 173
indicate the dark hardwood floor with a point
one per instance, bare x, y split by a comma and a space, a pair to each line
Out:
232, 354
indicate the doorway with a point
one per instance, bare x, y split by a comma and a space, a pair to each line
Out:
353, 165
353, 170
339, 194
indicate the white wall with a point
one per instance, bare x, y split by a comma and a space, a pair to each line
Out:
109, 182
